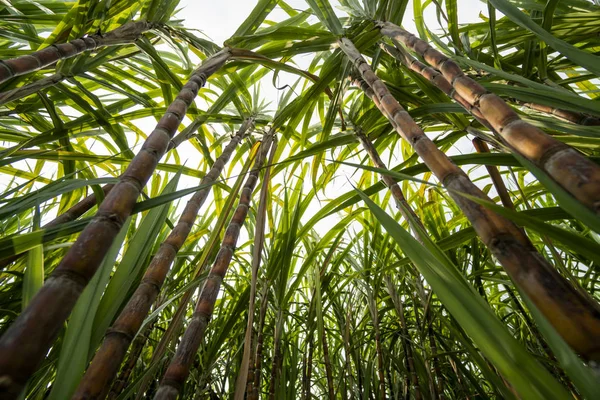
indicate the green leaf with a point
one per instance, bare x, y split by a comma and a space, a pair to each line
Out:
521, 369
580, 57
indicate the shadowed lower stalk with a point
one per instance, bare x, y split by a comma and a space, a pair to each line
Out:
105, 364
572, 170
136, 350
260, 340
22, 65
277, 356
574, 315
26, 342
179, 368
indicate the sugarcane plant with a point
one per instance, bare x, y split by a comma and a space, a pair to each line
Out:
426, 223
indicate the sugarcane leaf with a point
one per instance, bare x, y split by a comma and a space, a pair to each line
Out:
580, 57
323, 10
483, 326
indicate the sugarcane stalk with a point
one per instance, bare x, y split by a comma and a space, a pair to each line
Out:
406, 340
495, 176
177, 320
105, 364
136, 350
277, 356
75, 212
260, 340
327, 362
566, 115
26, 342
178, 370
26, 64
309, 367
245, 376
405, 209
70, 215
436, 78
573, 171
379, 350
574, 315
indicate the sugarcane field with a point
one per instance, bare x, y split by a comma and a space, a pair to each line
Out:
299, 199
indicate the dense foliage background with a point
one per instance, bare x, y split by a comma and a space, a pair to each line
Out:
346, 300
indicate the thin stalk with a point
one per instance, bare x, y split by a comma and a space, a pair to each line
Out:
105, 364
575, 316
378, 349
178, 370
405, 209
277, 356
406, 339
26, 342
307, 394
22, 65
327, 361
492, 170
566, 115
135, 352
260, 344
572, 170
259, 241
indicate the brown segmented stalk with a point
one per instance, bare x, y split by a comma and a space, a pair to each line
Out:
492, 170
327, 362
178, 370
277, 357
136, 350
569, 116
573, 171
177, 320
401, 203
70, 215
105, 364
246, 374
574, 315
124, 34
260, 344
437, 79
28, 339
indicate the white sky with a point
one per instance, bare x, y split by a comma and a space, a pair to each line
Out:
220, 19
